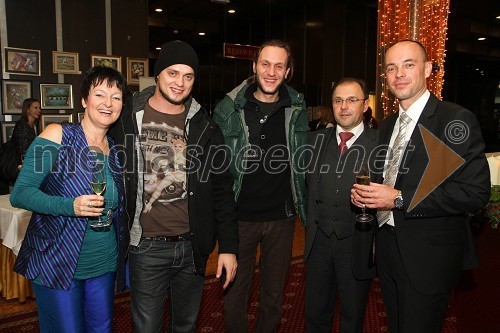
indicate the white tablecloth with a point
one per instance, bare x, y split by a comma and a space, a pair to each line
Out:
13, 224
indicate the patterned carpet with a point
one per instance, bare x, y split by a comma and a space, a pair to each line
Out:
211, 315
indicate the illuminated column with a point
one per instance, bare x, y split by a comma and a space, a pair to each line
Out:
423, 20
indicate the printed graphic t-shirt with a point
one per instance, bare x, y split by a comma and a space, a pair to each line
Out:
164, 148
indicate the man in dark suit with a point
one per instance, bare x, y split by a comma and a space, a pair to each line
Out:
339, 255
424, 241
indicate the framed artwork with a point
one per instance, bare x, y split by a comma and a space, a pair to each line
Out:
136, 68
7, 130
14, 92
56, 96
65, 62
80, 116
106, 61
50, 118
21, 61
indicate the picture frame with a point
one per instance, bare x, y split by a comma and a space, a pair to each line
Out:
21, 61
65, 62
14, 92
50, 118
7, 130
56, 96
106, 61
136, 68
80, 116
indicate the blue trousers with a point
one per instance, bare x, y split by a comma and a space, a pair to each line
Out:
159, 270
86, 308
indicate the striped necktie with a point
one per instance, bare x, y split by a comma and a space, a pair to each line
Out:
393, 165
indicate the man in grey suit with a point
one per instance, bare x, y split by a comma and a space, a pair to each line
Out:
338, 254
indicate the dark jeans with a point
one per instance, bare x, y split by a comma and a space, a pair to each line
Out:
157, 269
275, 238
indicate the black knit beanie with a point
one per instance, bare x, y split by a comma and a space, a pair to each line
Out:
176, 52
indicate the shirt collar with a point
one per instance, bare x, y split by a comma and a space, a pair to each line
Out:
356, 131
415, 110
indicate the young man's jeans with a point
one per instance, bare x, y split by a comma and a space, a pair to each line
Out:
276, 239
160, 269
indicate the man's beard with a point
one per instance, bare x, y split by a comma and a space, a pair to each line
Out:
170, 100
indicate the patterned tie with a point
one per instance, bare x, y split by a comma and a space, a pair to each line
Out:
393, 165
344, 137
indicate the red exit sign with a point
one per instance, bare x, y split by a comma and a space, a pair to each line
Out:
240, 51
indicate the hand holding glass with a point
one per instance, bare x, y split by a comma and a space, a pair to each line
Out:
98, 185
363, 178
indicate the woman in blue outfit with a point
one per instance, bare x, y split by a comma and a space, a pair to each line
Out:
75, 268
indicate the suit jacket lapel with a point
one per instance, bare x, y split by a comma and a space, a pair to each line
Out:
329, 135
416, 139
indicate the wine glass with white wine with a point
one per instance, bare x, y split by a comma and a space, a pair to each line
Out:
363, 178
98, 185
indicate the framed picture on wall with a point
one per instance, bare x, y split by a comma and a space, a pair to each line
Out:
59, 118
106, 61
7, 130
14, 92
136, 68
21, 61
65, 63
56, 96
80, 116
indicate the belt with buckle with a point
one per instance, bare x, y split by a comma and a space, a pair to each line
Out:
389, 228
169, 239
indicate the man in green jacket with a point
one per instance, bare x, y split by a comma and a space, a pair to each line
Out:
264, 124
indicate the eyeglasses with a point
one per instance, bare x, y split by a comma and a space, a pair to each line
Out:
349, 100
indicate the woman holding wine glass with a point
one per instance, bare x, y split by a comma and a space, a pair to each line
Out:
72, 263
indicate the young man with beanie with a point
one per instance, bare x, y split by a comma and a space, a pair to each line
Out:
264, 125
179, 195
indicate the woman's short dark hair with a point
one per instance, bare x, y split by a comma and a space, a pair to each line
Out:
99, 74
26, 105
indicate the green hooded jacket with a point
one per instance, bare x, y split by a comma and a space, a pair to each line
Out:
229, 115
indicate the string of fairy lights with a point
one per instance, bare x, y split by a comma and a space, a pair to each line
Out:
422, 20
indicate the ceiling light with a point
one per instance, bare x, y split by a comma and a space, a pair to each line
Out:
231, 11
481, 38
158, 48
159, 10
498, 17
201, 33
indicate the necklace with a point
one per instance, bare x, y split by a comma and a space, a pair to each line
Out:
103, 146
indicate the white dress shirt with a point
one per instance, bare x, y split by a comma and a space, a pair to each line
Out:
414, 112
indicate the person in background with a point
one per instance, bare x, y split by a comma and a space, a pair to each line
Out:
369, 119
74, 268
325, 119
264, 124
338, 252
316, 115
179, 195
25, 130
422, 249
